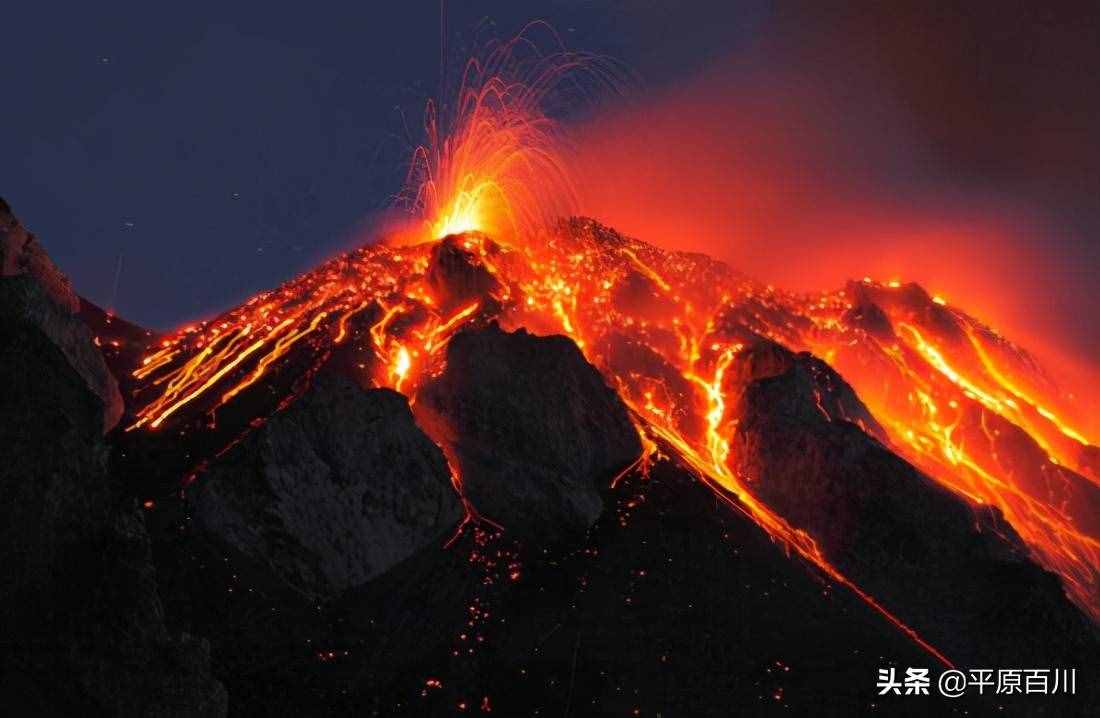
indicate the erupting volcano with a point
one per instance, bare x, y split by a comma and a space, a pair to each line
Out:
958, 400
895, 446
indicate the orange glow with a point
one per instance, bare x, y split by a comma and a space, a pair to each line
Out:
955, 412
773, 174
400, 369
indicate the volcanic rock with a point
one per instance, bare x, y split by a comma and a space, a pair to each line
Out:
756, 317
37, 293
642, 369
20, 253
984, 434
535, 430
83, 624
909, 300
958, 573
332, 490
642, 297
817, 388
456, 274
122, 343
672, 604
870, 318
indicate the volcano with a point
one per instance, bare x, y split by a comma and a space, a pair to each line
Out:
576, 475
508, 460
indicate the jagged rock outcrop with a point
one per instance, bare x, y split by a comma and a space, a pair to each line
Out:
534, 429
956, 572
332, 490
817, 388
870, 318
20, 253
35, 291
82, 622
909, 300
122, 343
456, 273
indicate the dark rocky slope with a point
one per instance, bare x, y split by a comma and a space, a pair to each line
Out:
81, 620
534, 429
957, 573
331, 491
671, 602
47, 300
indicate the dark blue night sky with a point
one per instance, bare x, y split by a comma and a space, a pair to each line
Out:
223, 147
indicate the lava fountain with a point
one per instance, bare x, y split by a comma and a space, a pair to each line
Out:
494, 160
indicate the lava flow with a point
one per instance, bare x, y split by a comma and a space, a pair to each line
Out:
666, 329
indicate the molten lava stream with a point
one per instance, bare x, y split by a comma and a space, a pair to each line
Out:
712, 467
715, 474
926, 426
951, 409
999, 394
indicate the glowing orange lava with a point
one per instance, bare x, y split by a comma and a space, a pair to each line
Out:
958, 400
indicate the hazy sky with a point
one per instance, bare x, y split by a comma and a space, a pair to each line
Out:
220, 150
